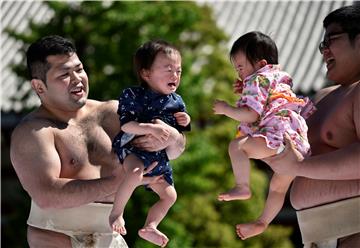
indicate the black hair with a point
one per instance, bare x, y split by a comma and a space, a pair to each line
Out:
256, 46
38, 52
348, 17
145, 56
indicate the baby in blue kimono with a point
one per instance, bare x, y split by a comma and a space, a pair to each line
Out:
143, 105
158, 66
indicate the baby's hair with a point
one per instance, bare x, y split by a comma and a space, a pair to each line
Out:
145, 55
256, 46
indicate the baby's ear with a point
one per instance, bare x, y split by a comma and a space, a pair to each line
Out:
263, 62
145, 74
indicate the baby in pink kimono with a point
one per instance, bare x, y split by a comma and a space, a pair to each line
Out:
267, 110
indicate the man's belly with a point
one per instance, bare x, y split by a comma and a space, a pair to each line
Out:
307, 193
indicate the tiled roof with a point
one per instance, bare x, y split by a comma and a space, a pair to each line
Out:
296, 27
16, 15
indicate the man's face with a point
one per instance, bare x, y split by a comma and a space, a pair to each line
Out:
67, 83
342, 57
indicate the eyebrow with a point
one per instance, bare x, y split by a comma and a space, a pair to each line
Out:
64, 67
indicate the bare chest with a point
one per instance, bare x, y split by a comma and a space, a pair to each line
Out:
332, 125
84, 150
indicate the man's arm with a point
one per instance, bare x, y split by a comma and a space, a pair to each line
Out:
174, 144
341, 164
158, 131
38, 166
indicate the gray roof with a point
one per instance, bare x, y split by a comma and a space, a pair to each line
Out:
15, 15
296, 27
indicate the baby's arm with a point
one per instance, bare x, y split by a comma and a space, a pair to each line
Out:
279, 185
146, 128
243, 114
182, 118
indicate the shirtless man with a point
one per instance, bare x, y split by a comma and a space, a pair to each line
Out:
62, 152
326, 191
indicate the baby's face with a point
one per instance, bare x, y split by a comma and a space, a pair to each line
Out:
164, 75
242, 65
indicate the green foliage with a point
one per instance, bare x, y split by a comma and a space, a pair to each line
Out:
106, 35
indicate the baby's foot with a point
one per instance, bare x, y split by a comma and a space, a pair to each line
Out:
117, 223
236, 193
154, 236
248, 230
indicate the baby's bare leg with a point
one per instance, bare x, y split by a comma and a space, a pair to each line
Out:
241, 168
157, 212
278, 187
251, 229
134, 173
240, 150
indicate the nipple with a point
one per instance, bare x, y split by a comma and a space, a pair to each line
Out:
329, 135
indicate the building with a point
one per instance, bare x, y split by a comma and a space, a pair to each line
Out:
296, 27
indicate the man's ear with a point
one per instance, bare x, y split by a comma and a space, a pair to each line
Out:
38, 85
145, 74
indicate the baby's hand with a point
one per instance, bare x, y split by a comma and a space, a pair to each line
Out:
219, 107
182, 118
160, 132
238, 86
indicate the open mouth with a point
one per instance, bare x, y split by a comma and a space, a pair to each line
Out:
171, 85
330, 62
77, 90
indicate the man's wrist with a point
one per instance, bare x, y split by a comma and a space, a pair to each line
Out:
177, 146
300, 169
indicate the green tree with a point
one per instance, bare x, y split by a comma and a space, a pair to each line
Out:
106, 35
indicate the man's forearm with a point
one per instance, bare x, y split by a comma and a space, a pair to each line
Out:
67, 193
136, 128
342, 164
177, 147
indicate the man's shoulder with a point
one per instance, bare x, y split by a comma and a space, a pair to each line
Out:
355, 88
32, 123
324, 92
100, 104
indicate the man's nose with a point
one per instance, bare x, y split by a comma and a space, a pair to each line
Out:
75, 77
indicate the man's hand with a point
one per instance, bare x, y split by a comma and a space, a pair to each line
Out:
151, 180
220, 107
150, 168
182, 118
288, 161
151, 143
160, 132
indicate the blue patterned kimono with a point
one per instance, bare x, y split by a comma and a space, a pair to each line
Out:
144, 105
